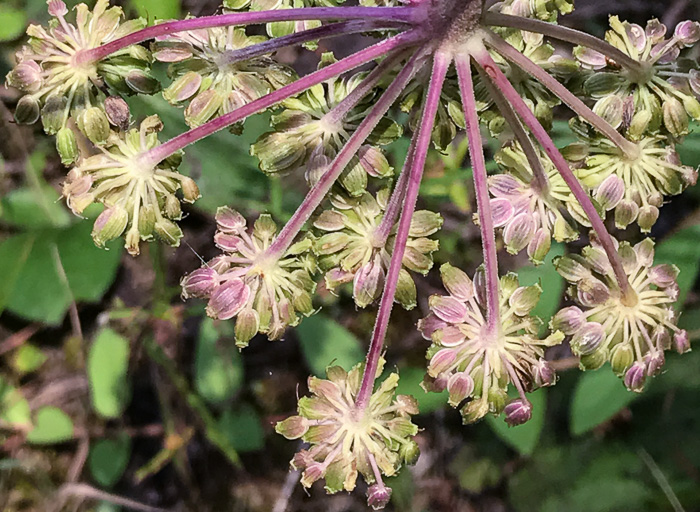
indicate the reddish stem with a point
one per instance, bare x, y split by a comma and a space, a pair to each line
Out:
483, 204
441, 62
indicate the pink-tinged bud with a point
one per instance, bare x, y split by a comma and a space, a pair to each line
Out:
519, 232
654, 362
635, 377
587, 339
672, 291
570, 269
591, 58
610, 192
448, 309
117, 111
460, 386
681, 341
625, 213
330, 220
293, 427
199, 283
543, 374
229, 221
655, 30
636, 35
312, 473
591, 292
227, 242
368, 283
687, 32
663, 275
518, 411
505, 185
539, 246
219, 263
57, 8
501, 211
428, 325
457, 282
434, 385
669, 54
110, 224
374, 162
449, 336
26, 76
228, 299
441, 362
378, 496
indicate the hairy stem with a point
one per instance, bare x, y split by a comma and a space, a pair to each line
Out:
564, 34
540, 182
398, 14
314, 34
501, 81
441, 62
481, 188
506, 50
318, 192
159, 153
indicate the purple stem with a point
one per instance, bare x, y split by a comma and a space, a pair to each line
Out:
399, 14
564, 34
441, 62
159, 153
318, 192
501, 81
395, 201
506, 50
483, 203
313, 34
540, 182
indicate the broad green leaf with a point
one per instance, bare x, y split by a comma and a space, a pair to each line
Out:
51, 425
107, 365
27, 358
243, 428
14, 408
599, 395
157, 9
31, 209
550, 280
325, 342
13, 256
108, 459
218, 368
523, 438
13, 23
409, 384
681, 249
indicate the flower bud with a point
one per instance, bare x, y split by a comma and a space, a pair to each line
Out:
67, 146
625, 213
183, 88
635, 377
27, 110
410, 452
519, 232
654, 362
110, 224
460, 386
474, 411
594, 360
539, 246
621, 358
190, 190
434, 385
141, 82
647, 217
664, 275
168, 232
675, 117
293, 427
406, 290
591, 292
457, 282
368, 283
52, 113
687, 33
228, 299
610, 108
378, 496
570, 269
147, 220
374, 162
543, 374
447, 308
57, 8
441, 362
518, 411
199, 283
95, 125
497, 399
639, 124
587, 339
117, 111
610, 192
655, 30
681, 341
524, 299
26, 77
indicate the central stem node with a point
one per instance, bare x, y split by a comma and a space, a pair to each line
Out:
452, 22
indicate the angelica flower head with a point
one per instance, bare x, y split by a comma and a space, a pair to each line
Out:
475, 364
355, 244
631, 330
264, 293
139, 197
345, 440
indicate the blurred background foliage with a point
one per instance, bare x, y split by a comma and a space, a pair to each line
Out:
114, 394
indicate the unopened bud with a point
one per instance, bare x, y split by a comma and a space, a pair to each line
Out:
52, 114
110, 224
654, 362
142, 82
543, 374
190, 190
675, 117
610, 192
635, 377
168, 232
409, 452
587, 339
95, 125
67, 146
460, 386
621, 358
378, 496
687, 33
117, 111
594, 360
293, 427
518, 411
199, 283
26, 77
681, 341
228, 299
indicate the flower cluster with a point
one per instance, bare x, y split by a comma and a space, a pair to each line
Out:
139, 196
265, 293
61, 85
346, 440
355, 244
630, 328
476, 364
211, 71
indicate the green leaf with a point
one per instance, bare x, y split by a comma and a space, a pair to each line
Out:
51, 425
523, 438
13, 256
599, 395
218, 370
157, 9
324, 341
30, 209
14, 408
550, 280
681, 249
242, 428
107, 365
27, 358
108, 459
13, 23
409, 384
